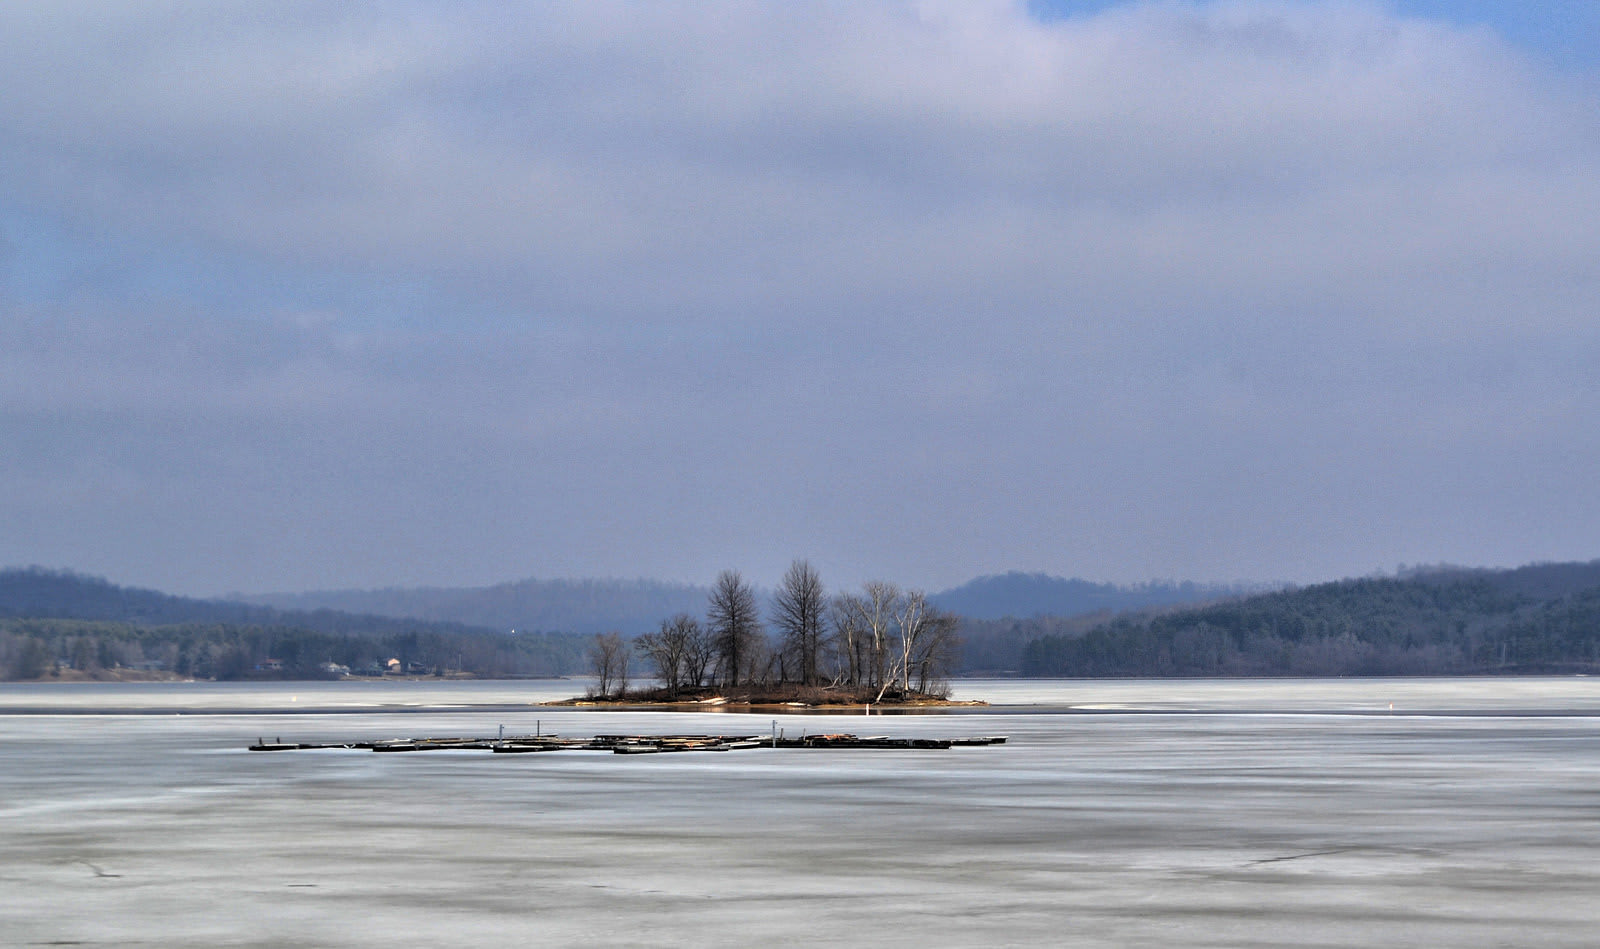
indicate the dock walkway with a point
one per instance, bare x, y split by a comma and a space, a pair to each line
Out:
636, 744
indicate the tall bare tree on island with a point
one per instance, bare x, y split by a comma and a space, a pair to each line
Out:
927, 640
664, 649
848, 634
608, 657
935, 652
865, 622
735, 624
798, 610
886, 637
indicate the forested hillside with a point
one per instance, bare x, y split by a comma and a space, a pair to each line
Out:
54, 620
60, 594
1541, 618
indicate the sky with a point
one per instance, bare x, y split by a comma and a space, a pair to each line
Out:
303, 295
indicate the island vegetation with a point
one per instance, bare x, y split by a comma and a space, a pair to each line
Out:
878, 645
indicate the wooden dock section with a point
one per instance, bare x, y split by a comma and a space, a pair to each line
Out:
637, 744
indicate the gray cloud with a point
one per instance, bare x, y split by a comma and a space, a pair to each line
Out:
307, 295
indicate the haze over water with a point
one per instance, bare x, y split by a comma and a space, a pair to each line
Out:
1211, 813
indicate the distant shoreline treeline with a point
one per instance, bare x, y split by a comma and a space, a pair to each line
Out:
1536, 619
1438, 621
40, 648
53, 620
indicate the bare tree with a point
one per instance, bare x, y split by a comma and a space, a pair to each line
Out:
608, 657
924, 636
735, 624
763, 664
864, 623
700, 651
910, 620
849, 631
885, 638
671, 650
935, 651
880, 599
797, 612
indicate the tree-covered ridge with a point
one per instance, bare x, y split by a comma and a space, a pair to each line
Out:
55, 621
36, 592
1544, 618
37, 648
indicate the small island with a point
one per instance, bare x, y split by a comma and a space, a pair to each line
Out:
882, 648
771, 697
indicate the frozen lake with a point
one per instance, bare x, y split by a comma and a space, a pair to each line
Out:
1149, 813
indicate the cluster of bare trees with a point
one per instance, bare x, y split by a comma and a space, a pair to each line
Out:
880, 640
682, 653
892, 639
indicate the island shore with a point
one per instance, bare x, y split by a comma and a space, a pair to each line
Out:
774, 699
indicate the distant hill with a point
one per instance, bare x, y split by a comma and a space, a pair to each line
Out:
639, 606
53, 621
1026, 595
573, 606
1429, 621
36, 592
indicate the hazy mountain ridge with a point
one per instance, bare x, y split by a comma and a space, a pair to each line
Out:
638, 606
574, 606
1026, 595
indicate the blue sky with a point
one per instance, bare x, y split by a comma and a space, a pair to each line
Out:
329, 296
1561, 32
1564, 32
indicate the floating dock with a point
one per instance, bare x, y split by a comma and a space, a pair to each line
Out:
636, 744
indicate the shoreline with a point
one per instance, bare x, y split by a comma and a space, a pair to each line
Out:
764, 703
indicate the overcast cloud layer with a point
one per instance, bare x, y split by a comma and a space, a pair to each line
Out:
316, 295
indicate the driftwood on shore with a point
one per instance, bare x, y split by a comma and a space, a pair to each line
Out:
636, 744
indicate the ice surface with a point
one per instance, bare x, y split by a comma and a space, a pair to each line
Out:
1209, 814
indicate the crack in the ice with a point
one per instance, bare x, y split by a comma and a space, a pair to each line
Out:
1300, 856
